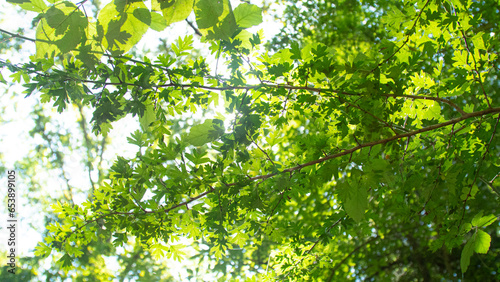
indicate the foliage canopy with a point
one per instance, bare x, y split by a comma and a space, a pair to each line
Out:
365, 146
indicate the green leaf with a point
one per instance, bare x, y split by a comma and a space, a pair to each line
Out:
206, 132
61, 30
355, 201
137, 138
182, 45
483, 221
143, 14
175, 10
148, 117
226, 29
467, 252
120, 27
208, 12
216, 19
66, 262
158, 23
34, 5
247, 15
482, 242
42, 250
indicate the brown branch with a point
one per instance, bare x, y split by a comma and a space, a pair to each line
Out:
190, 200
348, 151
382, 141
493, 180
300, 166
490, 186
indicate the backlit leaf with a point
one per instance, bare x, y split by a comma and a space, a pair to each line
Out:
482, 242
483, 221
247, 15
175, 10
120, 27
60, 30
206, 132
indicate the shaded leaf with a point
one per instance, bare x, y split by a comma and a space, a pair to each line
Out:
467, 252
206, 132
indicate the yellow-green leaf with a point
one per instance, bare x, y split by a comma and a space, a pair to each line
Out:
482, 221
120, 27
247, 15
355, 201
158, 23
60, 30
34, 5
42, 250
174, 10
482, 242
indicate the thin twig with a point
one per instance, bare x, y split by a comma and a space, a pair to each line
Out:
407, 38
368, 113
289, 87
477, 172
315, 244
88, 147
196, 30
262, 150
475, 63
349, 255
436, 181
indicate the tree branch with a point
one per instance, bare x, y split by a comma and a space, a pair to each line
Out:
382, 141
196, 30
285, 86
321, 160
14, 35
